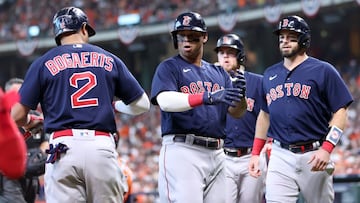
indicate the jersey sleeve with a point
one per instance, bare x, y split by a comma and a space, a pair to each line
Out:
336, 90
128, 88
164, 80
30, 91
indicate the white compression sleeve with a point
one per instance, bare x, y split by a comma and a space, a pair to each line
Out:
137, 107
171, 101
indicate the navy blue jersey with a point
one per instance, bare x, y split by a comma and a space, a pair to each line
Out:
301, 102
176, 74
240, 132
75, 85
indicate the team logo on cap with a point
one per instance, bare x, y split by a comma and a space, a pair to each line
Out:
62, 24
186, 20
226, 40
286, 23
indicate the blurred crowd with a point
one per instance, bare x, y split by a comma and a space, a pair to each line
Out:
141, 140
16, 16
346, 155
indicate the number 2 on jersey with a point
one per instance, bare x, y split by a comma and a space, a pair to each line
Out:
76, 98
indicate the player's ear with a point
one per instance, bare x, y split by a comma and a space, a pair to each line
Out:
205, 38
83, 30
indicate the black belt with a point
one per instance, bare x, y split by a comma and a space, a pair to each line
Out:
238, 152
299, 147
207, 142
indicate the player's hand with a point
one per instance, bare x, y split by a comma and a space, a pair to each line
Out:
253, 167
227, 96
319, 160
34, 125
238, 80
267, 148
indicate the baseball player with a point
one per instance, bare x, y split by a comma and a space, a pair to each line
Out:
305, 114
75, 84
240, 186
194, 97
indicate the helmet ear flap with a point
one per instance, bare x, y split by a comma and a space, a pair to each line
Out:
175, 41
241, 58
304, 40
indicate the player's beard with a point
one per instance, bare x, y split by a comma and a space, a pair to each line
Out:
230, 65
292, 53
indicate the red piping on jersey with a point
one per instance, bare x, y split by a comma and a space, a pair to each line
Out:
167, 182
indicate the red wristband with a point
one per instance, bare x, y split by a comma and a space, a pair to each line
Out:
327, 146
195, 99
257, 146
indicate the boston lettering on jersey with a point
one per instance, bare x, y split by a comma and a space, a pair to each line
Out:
199, 86
79, 60
288, 89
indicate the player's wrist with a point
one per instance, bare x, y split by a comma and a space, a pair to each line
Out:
334, 135
257, 146
327, 146
332, 138
196, 99
32, 122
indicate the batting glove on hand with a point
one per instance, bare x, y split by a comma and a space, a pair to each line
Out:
33, 126
238, 80
227, 96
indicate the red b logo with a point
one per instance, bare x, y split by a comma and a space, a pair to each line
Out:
285, 23
186, 20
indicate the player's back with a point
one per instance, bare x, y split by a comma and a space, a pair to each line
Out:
75, 85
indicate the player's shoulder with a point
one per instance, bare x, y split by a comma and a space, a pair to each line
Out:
49, 55
169, 64
253, 75
214, 66
253, 79
274, 68
172, 61
322, 63
320, 66
95, 48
